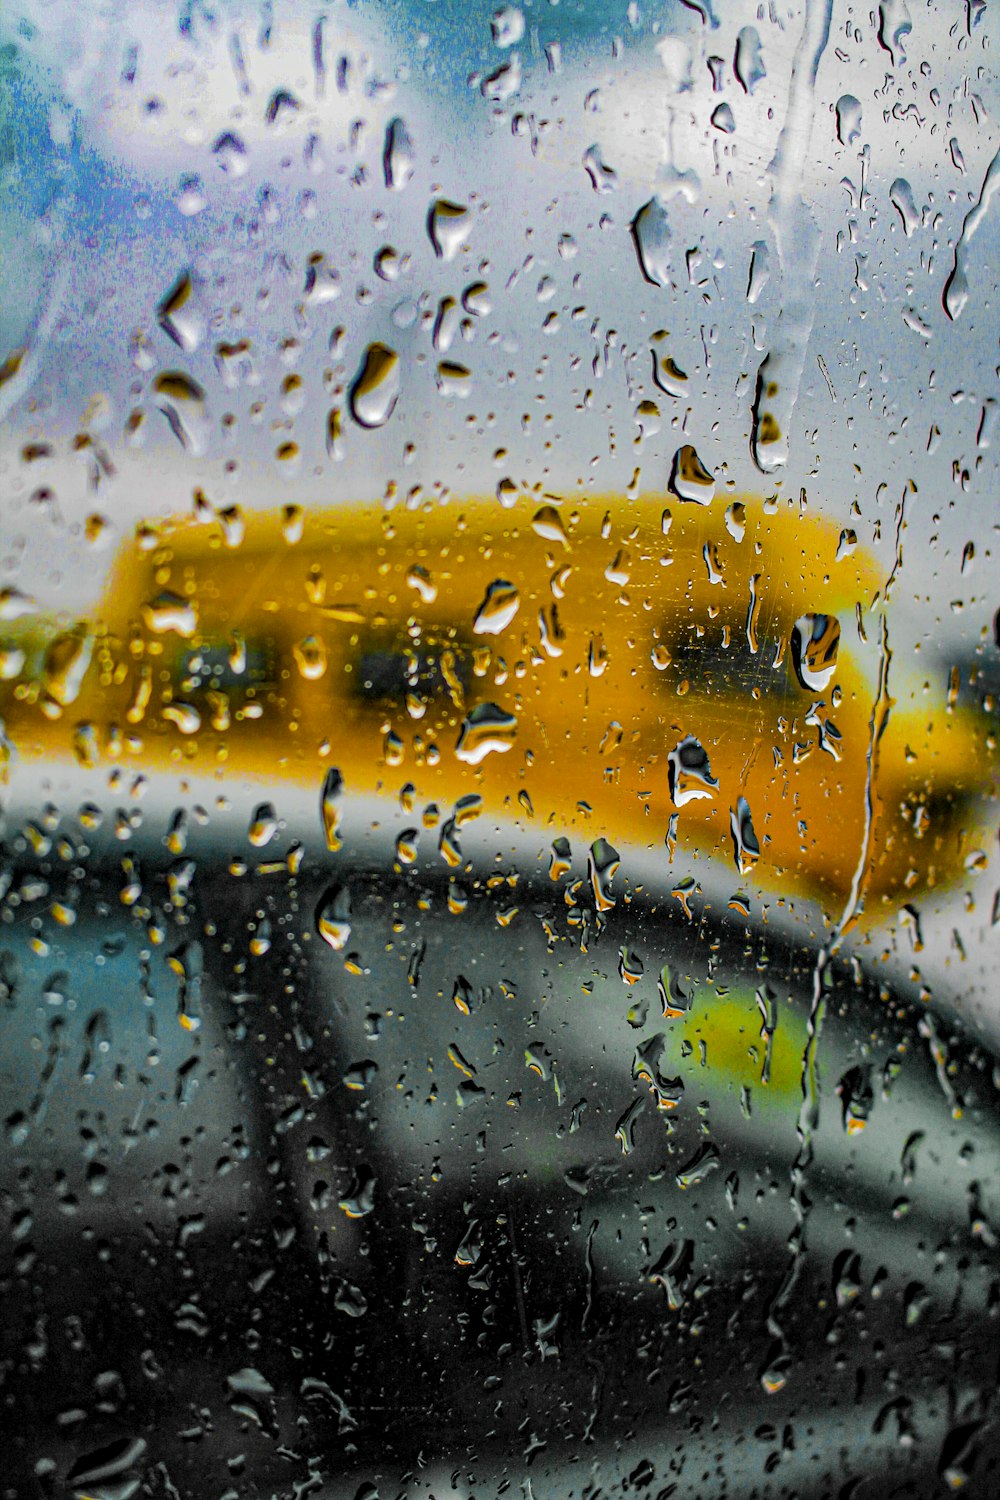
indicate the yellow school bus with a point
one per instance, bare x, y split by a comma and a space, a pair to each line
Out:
692, 678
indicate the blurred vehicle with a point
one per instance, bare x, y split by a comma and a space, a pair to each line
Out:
488, 1189
708, 677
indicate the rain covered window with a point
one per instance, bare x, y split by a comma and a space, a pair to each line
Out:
499, 658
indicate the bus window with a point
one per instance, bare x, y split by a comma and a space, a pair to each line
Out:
247, 668
713, 667
387, 674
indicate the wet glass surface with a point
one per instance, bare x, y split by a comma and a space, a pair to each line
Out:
498, 670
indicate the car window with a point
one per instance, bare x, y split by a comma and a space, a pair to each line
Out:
499, 660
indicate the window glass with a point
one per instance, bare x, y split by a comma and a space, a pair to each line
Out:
499, 660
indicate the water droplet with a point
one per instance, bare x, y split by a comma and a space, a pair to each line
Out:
190, 198
597, 656
12, 660
749, 62
753, 610
398, 155
689, 478
292, 523
704, 1161
774, 1375
376, 387
503, 81
647, 417
815, 641
310, 657
468, 809
894, 24
331, 807
603, 179
689, 773
476, 299
179, 317
746, 848
603, 864
736, 520
486, 728
230, 155
65, 666
722, 119
233, 525
908, 1159
651, 237
847, 543
360, 1196
675, 1000
650, 1066
760, 270
182, 402
16, 606
334, 434
501, 603
548, 524
666, 372
446, 324
703, 8
333, 917
322, 281
454, 380
675, 59
361, 1075
388, 263
847, 1278
263, 825
448, 225
673, 1272
630, 966
420, 580
856, 1098
281, 107
848, 119
169, 612
188, 963
901, 198
956, 291
507, 26
618, 570
768, 443
107, 1467
561, 858
625, 1128
177, 834
184, 716
348, 1299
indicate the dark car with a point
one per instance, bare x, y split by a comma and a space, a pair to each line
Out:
502, 1186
